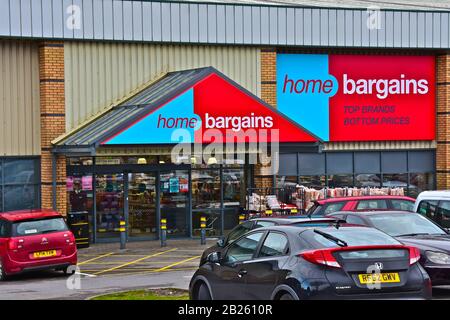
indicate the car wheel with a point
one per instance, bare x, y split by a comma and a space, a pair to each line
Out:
2, 272
69, 270
203, 293
286, 296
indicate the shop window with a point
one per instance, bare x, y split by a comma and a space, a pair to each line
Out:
20, 171
286, 181
339, 163
316, 182
367, 162
419, 182
80, 161
311, 164
205, 189
20, 184
367, 180
213, 223
393, 162
108, 161
141, 160
421, 161
287, 164
340, 180
396, 180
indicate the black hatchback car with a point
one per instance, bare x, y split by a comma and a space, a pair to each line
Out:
412, 229
296, 263
256, 223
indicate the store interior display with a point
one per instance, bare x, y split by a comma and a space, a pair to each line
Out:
268, 201
142, 204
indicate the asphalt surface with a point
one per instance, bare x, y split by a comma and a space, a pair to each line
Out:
104, 269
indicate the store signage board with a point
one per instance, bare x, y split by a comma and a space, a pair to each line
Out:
359, 97
212, 110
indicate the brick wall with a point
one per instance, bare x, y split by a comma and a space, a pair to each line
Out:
52, 104
269, 95
269, 76
443, 122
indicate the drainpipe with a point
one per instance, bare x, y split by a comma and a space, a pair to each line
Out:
54, 181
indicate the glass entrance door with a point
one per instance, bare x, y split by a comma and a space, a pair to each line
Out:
109, 204
142, 205
174, 206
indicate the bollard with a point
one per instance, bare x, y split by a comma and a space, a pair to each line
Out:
123, 234
241, 218
163, 232
202, 230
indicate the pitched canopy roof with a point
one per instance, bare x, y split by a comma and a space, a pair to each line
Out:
126, 114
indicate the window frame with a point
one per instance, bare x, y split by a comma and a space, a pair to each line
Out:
286, 249
263, 236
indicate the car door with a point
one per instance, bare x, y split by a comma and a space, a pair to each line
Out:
228, 281
263, 273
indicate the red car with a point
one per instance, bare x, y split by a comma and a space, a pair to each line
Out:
35, 240
364, 203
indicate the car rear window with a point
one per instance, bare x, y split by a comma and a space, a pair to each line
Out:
371, 205
354, 236
404, 205
33, 227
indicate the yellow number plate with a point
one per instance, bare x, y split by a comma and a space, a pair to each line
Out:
379, 278
44, 254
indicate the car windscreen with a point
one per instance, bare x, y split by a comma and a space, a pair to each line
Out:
41, 226
407, 224
352, 236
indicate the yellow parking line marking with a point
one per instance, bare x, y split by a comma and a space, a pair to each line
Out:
135, 261
176, 264
96, 258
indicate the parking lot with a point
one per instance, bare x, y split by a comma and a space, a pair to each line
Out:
140, 257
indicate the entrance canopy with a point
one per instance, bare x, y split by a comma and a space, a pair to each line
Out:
191, 106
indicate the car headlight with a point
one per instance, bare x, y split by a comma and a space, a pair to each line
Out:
438, 257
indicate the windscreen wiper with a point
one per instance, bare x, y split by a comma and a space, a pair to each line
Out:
328, 236
412, 234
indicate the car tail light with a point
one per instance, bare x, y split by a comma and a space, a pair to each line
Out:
414, 255
325, 256
14, 244
321, 256
70, 238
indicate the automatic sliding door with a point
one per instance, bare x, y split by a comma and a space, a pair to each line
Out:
142, 205
174, 205
109, 204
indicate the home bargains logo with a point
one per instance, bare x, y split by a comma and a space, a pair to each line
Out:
358, 98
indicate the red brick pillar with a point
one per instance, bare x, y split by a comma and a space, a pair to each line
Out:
443, 122
53, 115
269, 76
269, 95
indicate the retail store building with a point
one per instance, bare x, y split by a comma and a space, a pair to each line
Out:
93, 91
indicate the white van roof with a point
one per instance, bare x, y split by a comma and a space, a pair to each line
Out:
434, 194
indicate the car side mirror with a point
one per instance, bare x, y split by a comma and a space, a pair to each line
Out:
214, 257
221, 242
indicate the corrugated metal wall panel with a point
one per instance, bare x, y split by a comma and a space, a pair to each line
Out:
381, 145
190, 22
19, 99
97, 74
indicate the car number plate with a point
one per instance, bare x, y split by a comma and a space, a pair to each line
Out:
369, 278
44, 254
